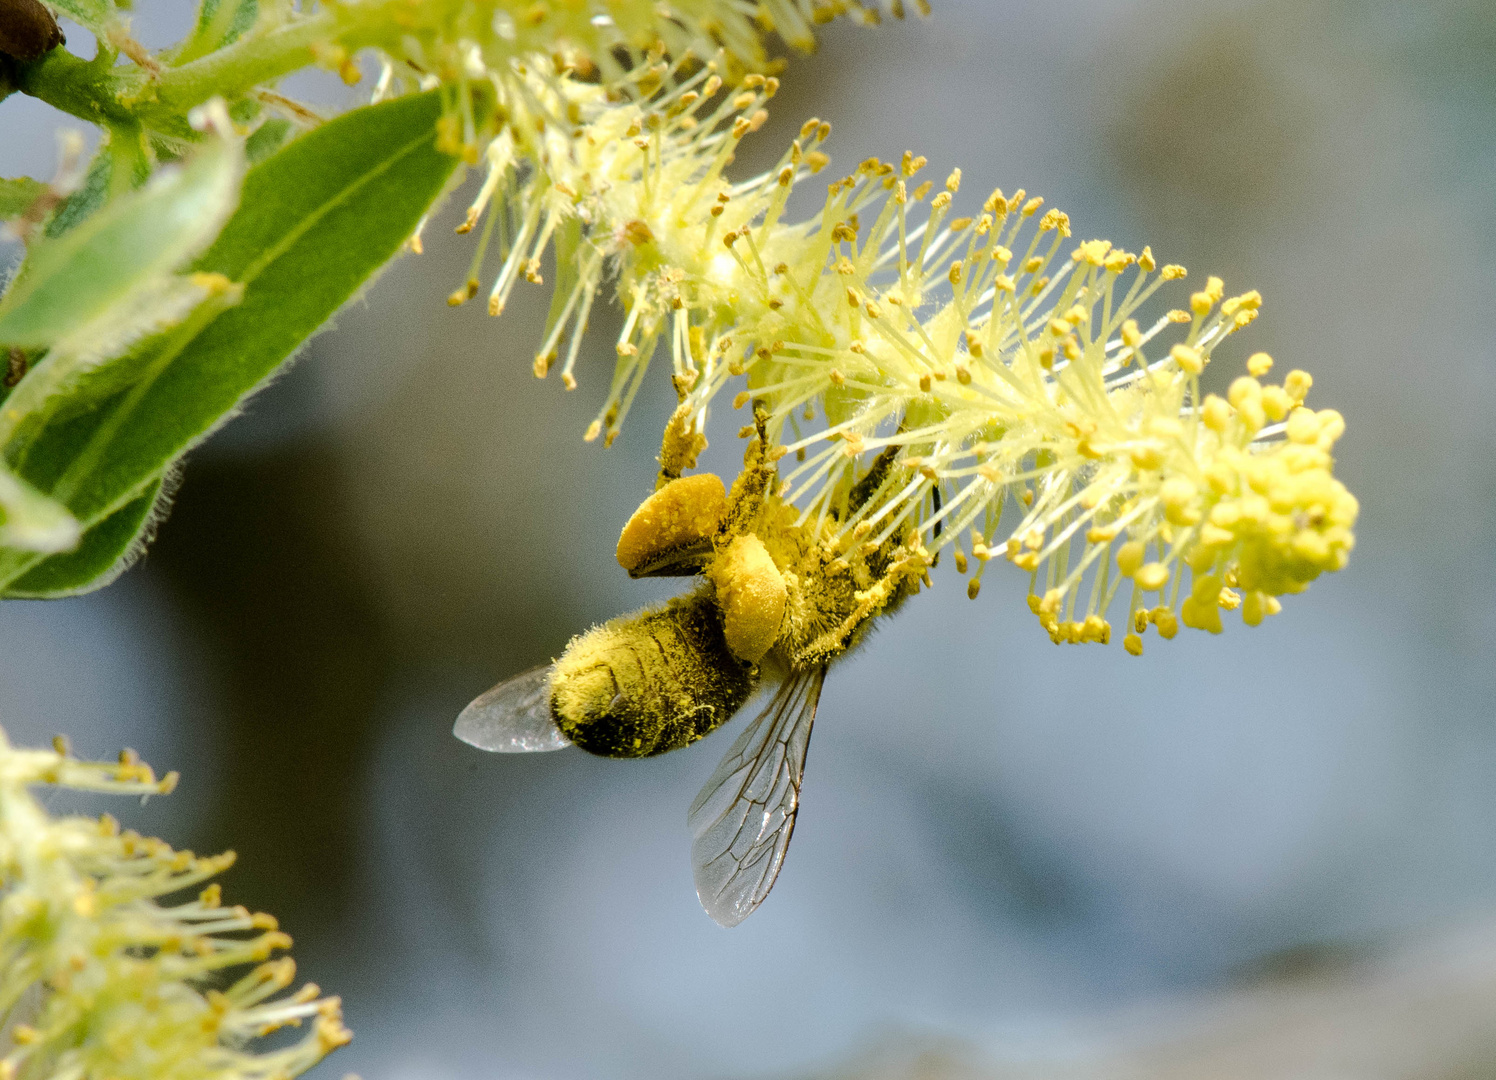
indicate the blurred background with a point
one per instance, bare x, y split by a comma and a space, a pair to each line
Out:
1012, 859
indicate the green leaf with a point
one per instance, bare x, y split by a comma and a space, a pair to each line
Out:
219, 23
19, 195
94, 15
82, 203
133, 242
267, 139
30, 521
106, 551
107, 356
315, 221
91, 295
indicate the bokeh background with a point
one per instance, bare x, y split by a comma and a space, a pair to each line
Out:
1011, 857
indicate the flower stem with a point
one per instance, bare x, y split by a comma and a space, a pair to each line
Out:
250, 61
101, 93
86, 89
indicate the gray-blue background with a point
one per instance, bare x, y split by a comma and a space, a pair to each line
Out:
1000, 840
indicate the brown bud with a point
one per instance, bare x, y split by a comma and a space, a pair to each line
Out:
27, 29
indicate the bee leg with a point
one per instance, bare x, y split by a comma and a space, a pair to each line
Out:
754, 484
939, 522
884, 592
873, 480
679, 447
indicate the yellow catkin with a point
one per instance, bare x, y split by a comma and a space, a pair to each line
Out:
1063, 381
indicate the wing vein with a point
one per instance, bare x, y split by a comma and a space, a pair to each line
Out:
742, 820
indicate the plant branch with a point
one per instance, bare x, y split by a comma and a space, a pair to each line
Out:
251, 61
87, 89
101, 93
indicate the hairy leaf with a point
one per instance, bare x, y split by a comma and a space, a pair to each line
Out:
132, 243
82, 203
219, 22
29, 521
105, 552
94, 15
315, 221
267, 139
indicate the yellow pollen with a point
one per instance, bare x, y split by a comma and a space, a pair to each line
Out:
1152, 577
1215, 413
1130, 557
1188, 358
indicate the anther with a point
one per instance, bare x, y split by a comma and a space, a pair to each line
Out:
1189, 358
1152, 577
1054, 220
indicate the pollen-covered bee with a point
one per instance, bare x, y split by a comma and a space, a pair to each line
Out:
779, 599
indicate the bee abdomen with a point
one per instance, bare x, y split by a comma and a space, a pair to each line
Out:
649, 682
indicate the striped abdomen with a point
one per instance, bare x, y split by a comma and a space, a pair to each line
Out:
649, 682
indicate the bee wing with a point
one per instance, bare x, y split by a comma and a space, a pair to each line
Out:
742, 820
514, 717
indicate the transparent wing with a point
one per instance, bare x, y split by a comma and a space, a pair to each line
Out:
514, 717
742, 820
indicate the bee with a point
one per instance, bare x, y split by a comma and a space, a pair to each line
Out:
778, 600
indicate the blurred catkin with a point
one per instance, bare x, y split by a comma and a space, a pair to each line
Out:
101, 975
